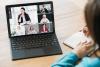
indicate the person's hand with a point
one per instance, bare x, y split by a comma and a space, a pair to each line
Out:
83, 49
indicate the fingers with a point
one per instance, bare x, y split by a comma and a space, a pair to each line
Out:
88, 45
84, 42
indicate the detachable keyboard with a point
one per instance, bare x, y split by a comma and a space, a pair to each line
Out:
33, 41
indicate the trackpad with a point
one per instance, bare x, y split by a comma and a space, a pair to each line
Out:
34, 52
27, 53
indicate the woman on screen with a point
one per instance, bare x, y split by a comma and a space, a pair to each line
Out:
23, 18
44, 21
23, 21
43, 10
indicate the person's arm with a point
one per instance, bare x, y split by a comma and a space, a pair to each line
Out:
19, 19
41, 22
29, 17
47, 20
68, 60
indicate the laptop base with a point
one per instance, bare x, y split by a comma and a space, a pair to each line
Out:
52, 49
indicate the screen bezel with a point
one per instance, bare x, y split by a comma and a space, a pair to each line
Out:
28, 4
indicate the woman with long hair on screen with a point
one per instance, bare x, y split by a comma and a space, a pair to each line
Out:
92, 17
23, 16
23, 21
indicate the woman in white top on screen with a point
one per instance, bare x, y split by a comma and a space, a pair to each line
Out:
44, 21
23, 22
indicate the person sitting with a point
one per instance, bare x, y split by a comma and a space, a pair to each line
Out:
92, 16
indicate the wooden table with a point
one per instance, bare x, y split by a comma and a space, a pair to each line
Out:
69, 19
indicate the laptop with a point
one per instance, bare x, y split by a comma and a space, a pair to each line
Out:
31, 30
